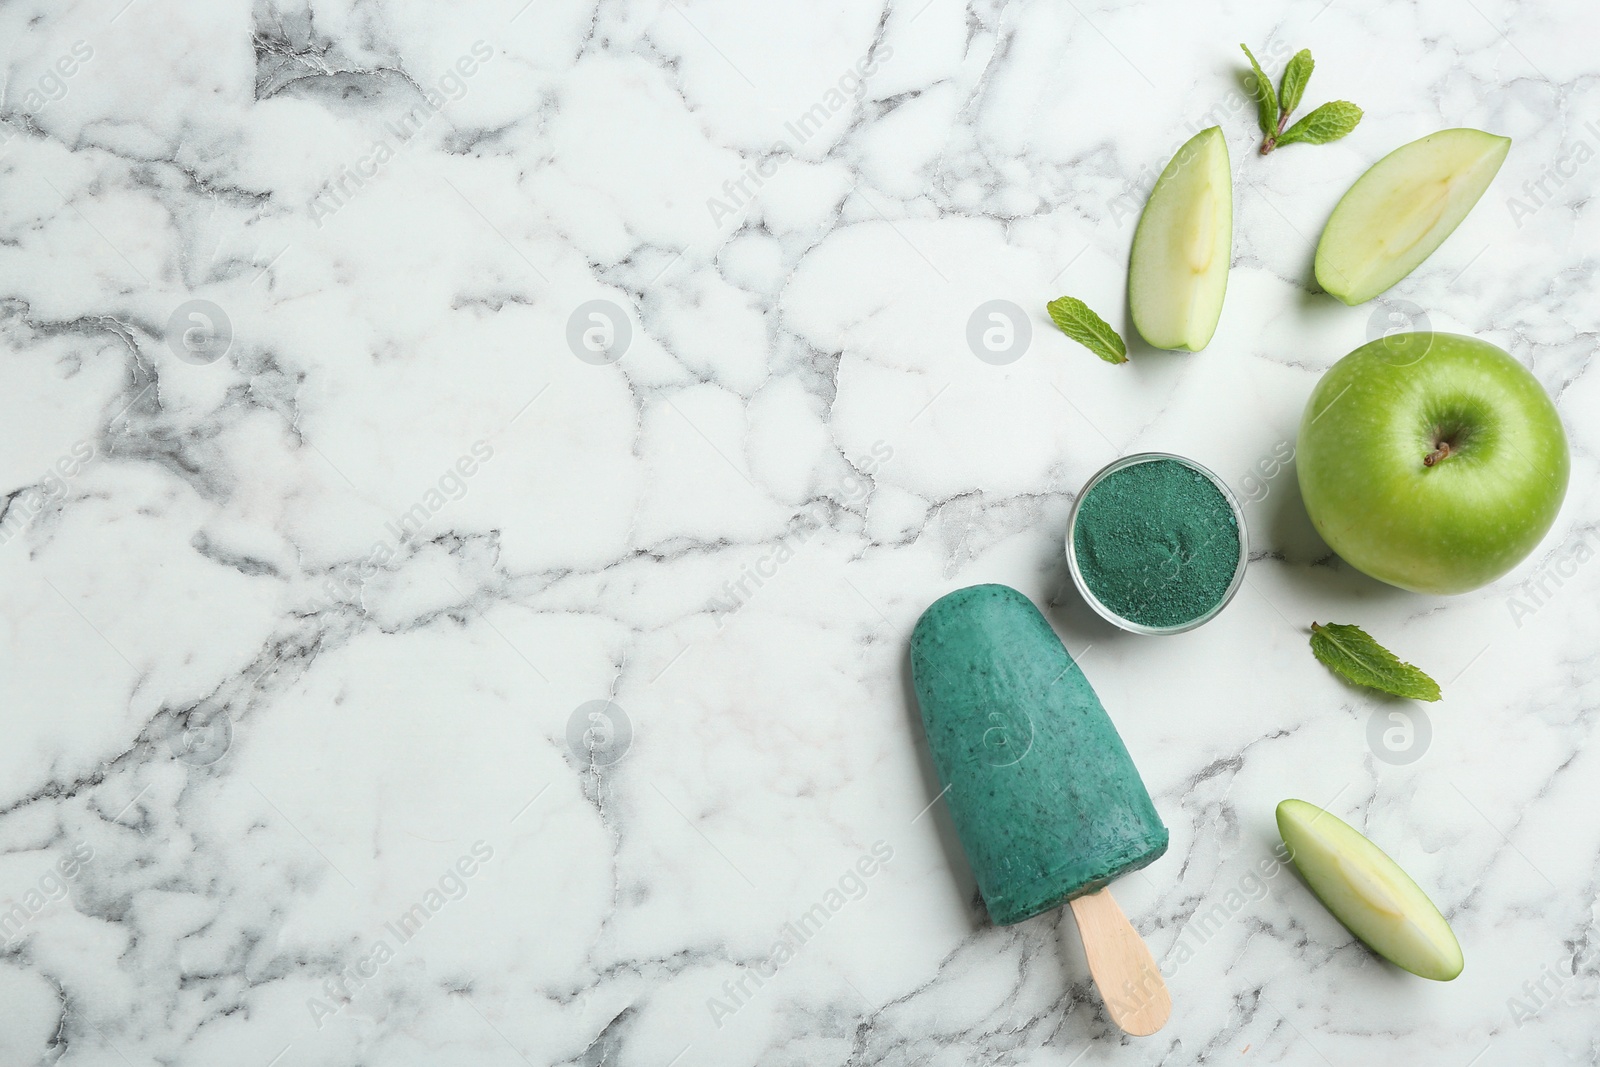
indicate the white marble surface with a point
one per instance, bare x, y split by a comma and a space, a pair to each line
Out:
249, 721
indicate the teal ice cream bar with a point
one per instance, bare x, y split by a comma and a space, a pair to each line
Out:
1043, 794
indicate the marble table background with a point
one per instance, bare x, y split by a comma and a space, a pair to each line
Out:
471, 470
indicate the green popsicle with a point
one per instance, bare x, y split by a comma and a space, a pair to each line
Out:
1044, 796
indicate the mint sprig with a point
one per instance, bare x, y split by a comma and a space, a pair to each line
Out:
1078, 321
1328, 122
1352, 654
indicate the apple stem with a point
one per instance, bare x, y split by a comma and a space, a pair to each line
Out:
1439, 453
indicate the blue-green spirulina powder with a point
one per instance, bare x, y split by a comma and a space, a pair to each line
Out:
1157, 543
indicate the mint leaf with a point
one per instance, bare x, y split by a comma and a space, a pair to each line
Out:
1327, 123
1350, 653
1266, 99
1295, 77
1079, 322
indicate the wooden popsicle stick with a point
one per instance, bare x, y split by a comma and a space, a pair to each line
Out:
1123, 969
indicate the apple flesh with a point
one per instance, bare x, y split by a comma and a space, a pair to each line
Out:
1431, 461
1402, 208
1178, 270
1368, 892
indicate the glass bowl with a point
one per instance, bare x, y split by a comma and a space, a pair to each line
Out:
1083, 586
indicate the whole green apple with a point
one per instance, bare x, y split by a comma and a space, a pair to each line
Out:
1431, 461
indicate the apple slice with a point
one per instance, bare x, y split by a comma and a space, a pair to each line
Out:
1178, 271
1368, 892
1402, 208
